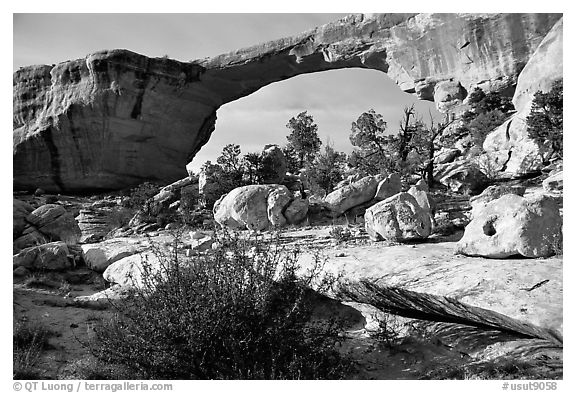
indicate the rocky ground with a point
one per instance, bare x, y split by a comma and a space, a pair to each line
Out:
510, 324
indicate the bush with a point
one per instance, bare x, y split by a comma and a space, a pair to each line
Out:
340, 233
239, 312
29, 340
140, 197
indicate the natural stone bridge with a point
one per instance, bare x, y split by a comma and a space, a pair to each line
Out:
117, 118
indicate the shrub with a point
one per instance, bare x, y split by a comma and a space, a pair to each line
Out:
239, 312
29, 340
140, 197
340, 233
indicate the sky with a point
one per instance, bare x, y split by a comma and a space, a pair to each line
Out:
334, 98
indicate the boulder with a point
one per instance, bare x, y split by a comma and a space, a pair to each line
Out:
448, 94
278, 199
296, 211
397, 218
352, 195
250, 207
138, 270
493, 192
514, 225
391, 185
20, 271
49, 256
20, 210
424, 200
274, 165
461, 177
30, 237
54, 222
209, 183
554, 183
101, 255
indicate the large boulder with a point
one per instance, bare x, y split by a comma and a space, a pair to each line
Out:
56, 223
461, 177
20, 210
101, 255
274, 165
250, 207
115, 117
349, 196
514, 225
397, 218
49, 256
391, 185
493, 192
139, 270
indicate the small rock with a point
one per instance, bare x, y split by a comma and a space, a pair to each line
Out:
21, 271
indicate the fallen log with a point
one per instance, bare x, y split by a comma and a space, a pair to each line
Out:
430, 307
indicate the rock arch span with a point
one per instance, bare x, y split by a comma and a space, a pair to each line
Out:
117, 118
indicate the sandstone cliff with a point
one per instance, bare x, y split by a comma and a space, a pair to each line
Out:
116, 118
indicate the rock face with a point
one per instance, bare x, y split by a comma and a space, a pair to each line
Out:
254, 207
397, 218
513, 225
510, 147
116, 118
347, 197
94, 224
